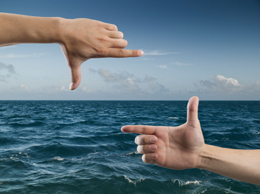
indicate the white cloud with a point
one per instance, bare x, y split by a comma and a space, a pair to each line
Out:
222, 84
158, 53
11, 56
163, 66
181, 64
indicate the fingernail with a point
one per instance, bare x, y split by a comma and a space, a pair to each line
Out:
154, 156
153, 147
153, 139
71, 86
140, 53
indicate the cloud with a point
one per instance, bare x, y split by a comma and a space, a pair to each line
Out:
11, 56
54, 88
24, 88
158, 53
6, 71
163, 66
222, 84
181, 64
154, 86
126, 81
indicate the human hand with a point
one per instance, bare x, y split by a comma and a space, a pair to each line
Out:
82, 39
171, 147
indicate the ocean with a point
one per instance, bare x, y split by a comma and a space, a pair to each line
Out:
78, 147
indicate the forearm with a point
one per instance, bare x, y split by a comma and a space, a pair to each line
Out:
243, 165
15, 29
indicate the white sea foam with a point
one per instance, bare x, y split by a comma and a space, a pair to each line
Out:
132, 153
182, 183
175, 118
57, 158
133, 181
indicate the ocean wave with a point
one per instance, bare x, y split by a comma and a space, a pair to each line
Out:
133, 181
182, 183
57, 158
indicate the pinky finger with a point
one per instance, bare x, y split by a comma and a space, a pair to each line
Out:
149, 158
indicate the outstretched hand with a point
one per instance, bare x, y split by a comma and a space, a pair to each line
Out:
171, 147
83, 39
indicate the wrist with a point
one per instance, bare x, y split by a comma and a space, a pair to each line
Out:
56, 31
205, 157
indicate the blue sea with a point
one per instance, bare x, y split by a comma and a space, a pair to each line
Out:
78, 147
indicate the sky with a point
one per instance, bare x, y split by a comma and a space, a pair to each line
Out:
210, 49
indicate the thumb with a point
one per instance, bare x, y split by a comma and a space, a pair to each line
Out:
75, 76
192, 111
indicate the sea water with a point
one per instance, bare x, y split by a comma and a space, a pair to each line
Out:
77, 146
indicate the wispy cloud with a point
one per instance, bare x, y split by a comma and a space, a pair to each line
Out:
181, 64
24, 88
154, 86
6, 71
11, 56
126, 81
163, 66
158, 53
54, 88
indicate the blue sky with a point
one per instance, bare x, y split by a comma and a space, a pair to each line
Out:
206, 48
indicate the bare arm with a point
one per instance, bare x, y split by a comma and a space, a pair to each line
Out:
80, 39
243, 165
183, 147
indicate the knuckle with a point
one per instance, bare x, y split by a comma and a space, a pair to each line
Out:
147, 139
120, 52
103, 38
101, 50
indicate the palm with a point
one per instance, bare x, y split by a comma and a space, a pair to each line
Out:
176, 147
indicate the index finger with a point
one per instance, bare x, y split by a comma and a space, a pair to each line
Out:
115, 52
140, 129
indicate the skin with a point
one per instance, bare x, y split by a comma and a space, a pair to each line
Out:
80, 39
183, 147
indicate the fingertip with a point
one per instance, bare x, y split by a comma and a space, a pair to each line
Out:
193, 103
122, 129
125, 129
113, 27
72, 86
140, 53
